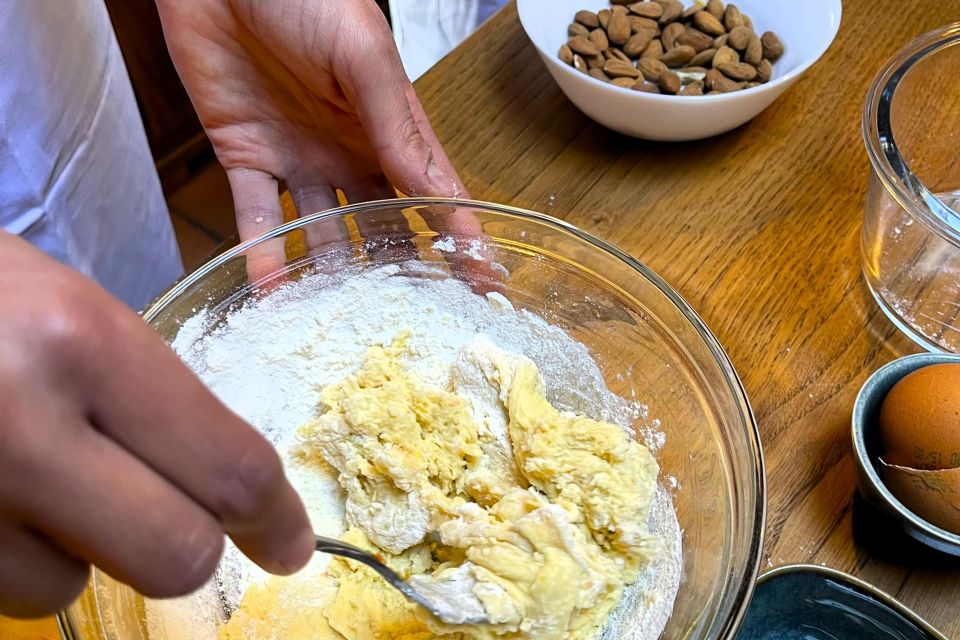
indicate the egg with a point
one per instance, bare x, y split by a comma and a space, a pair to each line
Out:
920, 438
920, 419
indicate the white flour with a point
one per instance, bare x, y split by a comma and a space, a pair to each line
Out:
269, 360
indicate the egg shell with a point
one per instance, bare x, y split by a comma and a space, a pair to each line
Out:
932, 495
920, 419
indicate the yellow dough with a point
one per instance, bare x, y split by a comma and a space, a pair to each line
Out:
533, 517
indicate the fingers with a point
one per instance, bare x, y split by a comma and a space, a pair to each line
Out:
386, 232
107, 507
199, 445
470, 262
36, 576
312, 194
407, 148
256, 199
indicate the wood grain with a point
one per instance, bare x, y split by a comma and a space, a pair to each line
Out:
758, 229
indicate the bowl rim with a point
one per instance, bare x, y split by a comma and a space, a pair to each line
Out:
874, 591
780, 81
877, 133
742, 593
866, 397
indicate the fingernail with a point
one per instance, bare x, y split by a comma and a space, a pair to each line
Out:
443, 184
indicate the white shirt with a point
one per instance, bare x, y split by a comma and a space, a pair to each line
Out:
76, 175
427, 30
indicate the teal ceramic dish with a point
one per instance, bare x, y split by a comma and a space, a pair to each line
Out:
866, 445
810, 602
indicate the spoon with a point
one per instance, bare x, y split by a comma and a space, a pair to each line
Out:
444, 609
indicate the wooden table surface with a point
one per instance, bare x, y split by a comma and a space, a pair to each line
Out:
758, 229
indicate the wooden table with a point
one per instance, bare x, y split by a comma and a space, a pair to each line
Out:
758, 229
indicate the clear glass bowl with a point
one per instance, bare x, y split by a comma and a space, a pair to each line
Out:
911, 233
645, 338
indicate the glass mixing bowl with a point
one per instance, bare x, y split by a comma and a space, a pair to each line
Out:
647, 341
911, 232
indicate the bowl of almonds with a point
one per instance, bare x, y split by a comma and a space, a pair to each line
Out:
675, 70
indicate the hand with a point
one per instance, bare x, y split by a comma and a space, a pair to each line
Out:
113, 453
311, 92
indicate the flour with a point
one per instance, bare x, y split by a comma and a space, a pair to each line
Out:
269, 359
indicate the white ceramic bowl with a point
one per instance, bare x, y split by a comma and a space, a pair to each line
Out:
806, 29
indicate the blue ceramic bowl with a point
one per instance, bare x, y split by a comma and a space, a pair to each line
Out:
866, 449
809, 602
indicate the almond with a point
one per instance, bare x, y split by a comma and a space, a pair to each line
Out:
725, 55
577, 29
764, 70
715, 8
621, 69
637, 43
566, 54
579, 63
708, 24
772, 47
739, 71
672, 10
732, 18
669, 82
654, 50
691, 74
603, 17
692, 89
740, 38
619, 29
619, 55
670, 34
598, 74
754, 52
721, 41
692, 9
599, 37
651, 10
645, 87
651, 68
695, 38
595, 61
626, 83
678, 56
639, 24
587, 18
720, 83
583, 46
704, 58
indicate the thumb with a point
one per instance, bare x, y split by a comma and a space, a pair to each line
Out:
407, 148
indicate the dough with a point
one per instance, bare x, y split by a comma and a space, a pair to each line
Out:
482, 494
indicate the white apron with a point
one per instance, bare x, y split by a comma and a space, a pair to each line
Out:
76, 175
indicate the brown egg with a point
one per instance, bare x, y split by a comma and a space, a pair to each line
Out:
920, 419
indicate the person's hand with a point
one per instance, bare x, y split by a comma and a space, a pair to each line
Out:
113, 453
311, 92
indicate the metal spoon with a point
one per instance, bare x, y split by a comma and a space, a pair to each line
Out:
444, 610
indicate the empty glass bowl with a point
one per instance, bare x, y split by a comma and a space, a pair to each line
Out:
647, 341
911, 233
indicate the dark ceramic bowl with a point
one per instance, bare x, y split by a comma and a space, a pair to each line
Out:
810, 602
